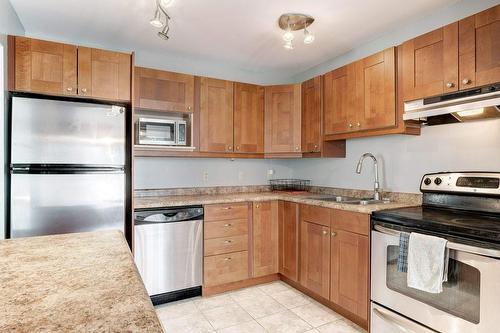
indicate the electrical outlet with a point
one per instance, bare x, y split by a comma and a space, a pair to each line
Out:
270, 173
205, 177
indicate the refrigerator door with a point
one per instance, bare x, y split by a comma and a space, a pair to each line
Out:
43, 204
59, 132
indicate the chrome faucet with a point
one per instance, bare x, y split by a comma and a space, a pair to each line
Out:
376, 185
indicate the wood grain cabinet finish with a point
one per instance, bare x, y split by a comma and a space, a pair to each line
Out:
265, 238
289, 239
163, 91
216, 115
430, 63
248, 118
479, 49
311, 115
225, 268
43, 67
350, 261
283, 119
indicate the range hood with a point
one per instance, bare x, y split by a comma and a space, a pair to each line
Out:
473, 104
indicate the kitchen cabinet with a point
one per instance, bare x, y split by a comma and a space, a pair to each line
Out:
288, 255
67, 70
248, 118
430, 63
163, 91
311, 115
283, 119
350, 261
479, 49
216, 115
315, 249
42, 67
265, 238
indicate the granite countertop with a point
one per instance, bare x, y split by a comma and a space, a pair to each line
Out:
303, 197
82, 282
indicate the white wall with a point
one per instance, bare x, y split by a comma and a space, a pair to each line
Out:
403, 160
184, 172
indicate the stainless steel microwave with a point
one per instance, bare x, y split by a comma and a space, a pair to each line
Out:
156, 131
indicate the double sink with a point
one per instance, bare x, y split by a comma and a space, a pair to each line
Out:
347, 200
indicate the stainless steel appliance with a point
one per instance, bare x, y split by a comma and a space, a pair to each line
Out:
464, 208
472, 104
159, 131
67, 167
168, 251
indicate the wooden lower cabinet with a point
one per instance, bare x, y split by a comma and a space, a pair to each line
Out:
289, 240
265, 238
225, 268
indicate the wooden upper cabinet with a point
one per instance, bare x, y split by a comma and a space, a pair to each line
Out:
163, 91
265, 238
282, 119
479, 48
104, 74
430, 63
248, 118
288, 254
311, 115
339, 99
216, 115
376, 91
42, 66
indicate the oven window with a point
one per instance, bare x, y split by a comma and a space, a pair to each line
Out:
460, 296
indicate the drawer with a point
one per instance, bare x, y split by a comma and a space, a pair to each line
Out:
225, 228
226, 212
351, 221
225, 245
225, 268
315, 214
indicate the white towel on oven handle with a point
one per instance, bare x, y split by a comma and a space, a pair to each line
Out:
427, 263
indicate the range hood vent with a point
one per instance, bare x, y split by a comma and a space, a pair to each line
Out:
468, 105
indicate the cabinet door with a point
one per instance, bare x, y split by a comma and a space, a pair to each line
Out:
339, 98
349, 272
282, 119
265, 238
104, 74
163, 91
376, 91
248, 118
216, 115
479, 48
44, 67
315, 258
311, 115
430, 63
288, 239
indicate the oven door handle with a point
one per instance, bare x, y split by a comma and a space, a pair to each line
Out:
452, 246
393, 321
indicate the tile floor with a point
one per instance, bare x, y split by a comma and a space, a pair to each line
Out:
274, 307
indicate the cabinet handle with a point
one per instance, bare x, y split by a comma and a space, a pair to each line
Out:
334, 234
229, 148
227, 208
83, 90
296, 147
358, 124
450, 85
325, 232
466, 81
350, 125
257, 206
228, 258
237, 147
69, 89
227, 225
228, 241
189, 108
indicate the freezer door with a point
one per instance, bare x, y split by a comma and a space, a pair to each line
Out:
45, 204
59, 132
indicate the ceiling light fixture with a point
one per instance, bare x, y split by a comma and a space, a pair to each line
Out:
292, 22
161, 18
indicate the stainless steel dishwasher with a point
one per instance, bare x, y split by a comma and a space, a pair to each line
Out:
168, 252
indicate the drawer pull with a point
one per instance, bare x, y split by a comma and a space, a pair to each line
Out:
334, 234
227, 259
325, 232
228, 241
227, 208
228, 225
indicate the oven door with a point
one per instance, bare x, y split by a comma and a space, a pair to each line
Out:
157, 131
470, 299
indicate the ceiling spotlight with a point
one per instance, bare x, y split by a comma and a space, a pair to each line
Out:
156, 20
288, 45
288, 35
308, 37
164, 33
161, 18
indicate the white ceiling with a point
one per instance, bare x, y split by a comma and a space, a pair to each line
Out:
237, 34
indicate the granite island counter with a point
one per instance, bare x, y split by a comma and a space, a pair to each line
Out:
81, 282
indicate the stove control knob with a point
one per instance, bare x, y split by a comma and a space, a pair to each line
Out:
427, 181
437, 181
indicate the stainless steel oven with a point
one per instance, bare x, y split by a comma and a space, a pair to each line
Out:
159, 131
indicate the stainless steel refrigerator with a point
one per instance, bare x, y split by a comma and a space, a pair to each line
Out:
67, 171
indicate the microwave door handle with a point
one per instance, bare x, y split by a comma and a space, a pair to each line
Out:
393, 321
450, 245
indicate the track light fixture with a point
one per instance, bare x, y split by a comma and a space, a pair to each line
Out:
161, 18
292, 22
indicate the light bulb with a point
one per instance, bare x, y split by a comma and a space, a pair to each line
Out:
308, 37
288, 36
156, 20
288, 45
